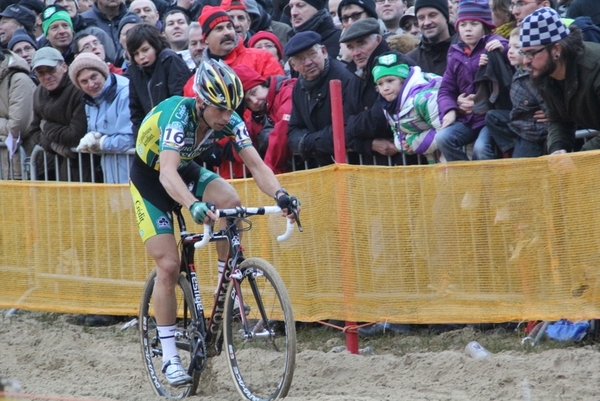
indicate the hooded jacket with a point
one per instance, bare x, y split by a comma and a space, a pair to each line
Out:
16, 106
275, 120
108, 114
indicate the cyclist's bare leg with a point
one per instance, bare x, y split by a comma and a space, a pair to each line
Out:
224, 196
163, 249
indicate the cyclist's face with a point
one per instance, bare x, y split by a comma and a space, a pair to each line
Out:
215, 117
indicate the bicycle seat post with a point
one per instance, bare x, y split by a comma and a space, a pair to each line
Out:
180, 221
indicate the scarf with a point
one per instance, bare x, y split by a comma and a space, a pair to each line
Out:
310, 85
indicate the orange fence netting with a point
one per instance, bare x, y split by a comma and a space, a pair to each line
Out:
463, 242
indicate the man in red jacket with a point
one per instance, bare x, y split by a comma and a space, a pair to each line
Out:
223, 43
269, 102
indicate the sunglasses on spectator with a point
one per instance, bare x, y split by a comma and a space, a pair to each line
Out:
42, 72
530, 54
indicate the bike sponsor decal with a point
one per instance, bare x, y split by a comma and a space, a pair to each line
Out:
151, 370
245, 390
196, 289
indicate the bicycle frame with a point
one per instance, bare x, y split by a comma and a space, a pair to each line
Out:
209, 335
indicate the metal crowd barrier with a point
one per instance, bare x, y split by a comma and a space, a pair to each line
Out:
8, 169
41, 165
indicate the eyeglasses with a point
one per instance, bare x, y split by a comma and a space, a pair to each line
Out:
89, 46
530, 54
354, 17
383, 1
520, 4
42, 72
311, 55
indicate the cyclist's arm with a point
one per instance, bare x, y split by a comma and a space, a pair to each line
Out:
171, 180
263, 175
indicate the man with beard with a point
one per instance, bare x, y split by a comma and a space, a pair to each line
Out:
367, 130
432, 53
566, 71
313, 15
222, 43
310, 133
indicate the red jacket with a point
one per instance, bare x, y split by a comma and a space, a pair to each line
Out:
260, 60
279, 108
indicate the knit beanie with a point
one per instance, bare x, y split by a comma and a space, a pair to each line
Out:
210, 18
542, 27
129, 18
440, 5
86, 61
318, 4
249, 77
228, 5
389, 64
260, 35
367, 5
21, 35
52, 14
474, 10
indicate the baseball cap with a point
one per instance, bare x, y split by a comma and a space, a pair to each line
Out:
46, 56
22, 14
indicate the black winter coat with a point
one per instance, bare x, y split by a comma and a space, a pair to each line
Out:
310, 132
366, 121
151, 85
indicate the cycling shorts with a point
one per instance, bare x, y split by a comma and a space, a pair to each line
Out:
153, 205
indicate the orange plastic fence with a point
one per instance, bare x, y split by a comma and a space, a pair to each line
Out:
466, 242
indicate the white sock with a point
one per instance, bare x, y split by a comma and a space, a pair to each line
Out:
220, 269
167, 340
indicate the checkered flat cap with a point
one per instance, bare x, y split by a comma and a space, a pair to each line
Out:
542, 27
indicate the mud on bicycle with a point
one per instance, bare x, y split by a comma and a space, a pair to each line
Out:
259, 339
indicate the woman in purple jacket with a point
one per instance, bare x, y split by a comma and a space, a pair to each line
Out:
460, 126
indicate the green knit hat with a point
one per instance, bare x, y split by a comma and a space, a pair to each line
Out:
52, 14
389, 64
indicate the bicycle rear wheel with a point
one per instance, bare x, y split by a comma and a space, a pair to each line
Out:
151, 347
262, 359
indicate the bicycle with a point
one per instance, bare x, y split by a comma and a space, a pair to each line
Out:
260, 342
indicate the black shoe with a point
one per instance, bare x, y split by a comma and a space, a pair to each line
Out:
96, 320
383, 328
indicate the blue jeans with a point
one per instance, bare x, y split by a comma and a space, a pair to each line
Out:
452, 140
497, 123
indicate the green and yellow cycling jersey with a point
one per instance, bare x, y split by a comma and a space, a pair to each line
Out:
172, 124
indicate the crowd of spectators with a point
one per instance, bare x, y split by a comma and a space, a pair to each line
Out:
421, 79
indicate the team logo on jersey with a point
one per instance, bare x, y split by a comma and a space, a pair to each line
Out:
286, 117
163, 222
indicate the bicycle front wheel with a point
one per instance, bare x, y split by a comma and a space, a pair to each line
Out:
186, 329
262, 353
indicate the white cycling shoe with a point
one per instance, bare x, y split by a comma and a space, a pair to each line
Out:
175, 373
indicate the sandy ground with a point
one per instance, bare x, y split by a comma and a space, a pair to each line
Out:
51, 357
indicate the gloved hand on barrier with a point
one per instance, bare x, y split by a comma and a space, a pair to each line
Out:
91, 142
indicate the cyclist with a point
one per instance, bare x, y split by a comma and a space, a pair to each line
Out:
164, 174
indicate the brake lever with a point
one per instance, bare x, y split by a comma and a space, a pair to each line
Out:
296, 214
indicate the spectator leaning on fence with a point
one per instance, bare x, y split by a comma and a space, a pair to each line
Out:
270, 104
310, 132
59, 120
566, 71
460, 126
107, 109
522, 131
16, 107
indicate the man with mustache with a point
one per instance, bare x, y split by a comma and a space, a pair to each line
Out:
566, 71
223, 43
